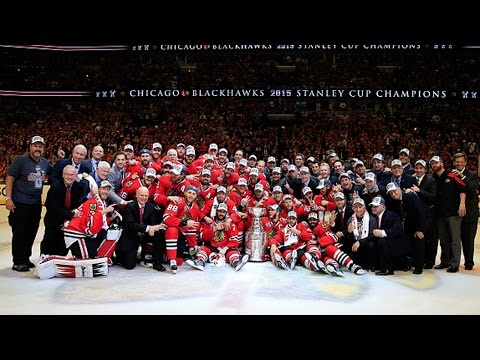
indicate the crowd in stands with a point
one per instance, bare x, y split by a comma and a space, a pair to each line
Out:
235, 123
351, 127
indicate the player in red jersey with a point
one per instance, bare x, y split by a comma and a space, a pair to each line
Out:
294, 236
220, 242
182, 222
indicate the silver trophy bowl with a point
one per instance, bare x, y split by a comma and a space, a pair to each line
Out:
255, 238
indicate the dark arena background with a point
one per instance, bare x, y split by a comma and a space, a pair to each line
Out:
270, 99
354, 99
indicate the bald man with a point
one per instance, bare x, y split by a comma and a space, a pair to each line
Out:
141, 225
94, 161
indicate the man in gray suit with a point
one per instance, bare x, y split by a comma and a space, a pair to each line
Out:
115, 177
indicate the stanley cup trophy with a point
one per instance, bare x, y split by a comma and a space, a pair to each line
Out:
255, 237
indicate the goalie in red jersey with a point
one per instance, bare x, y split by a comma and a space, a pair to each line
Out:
83, 235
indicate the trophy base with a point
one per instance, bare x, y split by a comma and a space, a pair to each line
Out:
255, 249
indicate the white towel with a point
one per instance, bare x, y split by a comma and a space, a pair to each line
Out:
365, 224
290, 238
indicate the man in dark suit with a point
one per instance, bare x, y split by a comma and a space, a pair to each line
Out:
141, 224
293, 184
426, 189
78, 154
404, 156
399, 177
92, 163
339, 222
378, 168
308, 181
416, 220
372, 189
470, 220
60, 206
391, 239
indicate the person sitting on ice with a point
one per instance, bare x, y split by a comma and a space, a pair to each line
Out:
283, 250
312, 257
220, 243
327, 242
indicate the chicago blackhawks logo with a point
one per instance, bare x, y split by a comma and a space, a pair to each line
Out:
272, 233
187, 216
225, 184
218, 237
200, 200
173, 192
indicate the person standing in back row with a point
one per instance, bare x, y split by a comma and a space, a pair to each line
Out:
24, 189
450, 209
470, 220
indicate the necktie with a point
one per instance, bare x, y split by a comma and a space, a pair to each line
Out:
341, 220
141, 214
402, 211
68, 196
418, 180
360, 227
378, 222
397, 181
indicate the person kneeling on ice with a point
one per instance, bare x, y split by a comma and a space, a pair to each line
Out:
85, 235
220, 242
293, 237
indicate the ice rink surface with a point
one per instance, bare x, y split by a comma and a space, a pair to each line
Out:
259, 288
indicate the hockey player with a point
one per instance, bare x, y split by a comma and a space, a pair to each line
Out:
283, 251
271, 224
182, 219
141, 167
327, 241
129, 188
171, 187
206, 190
83, 235
219, 242
313, 258
225, 177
